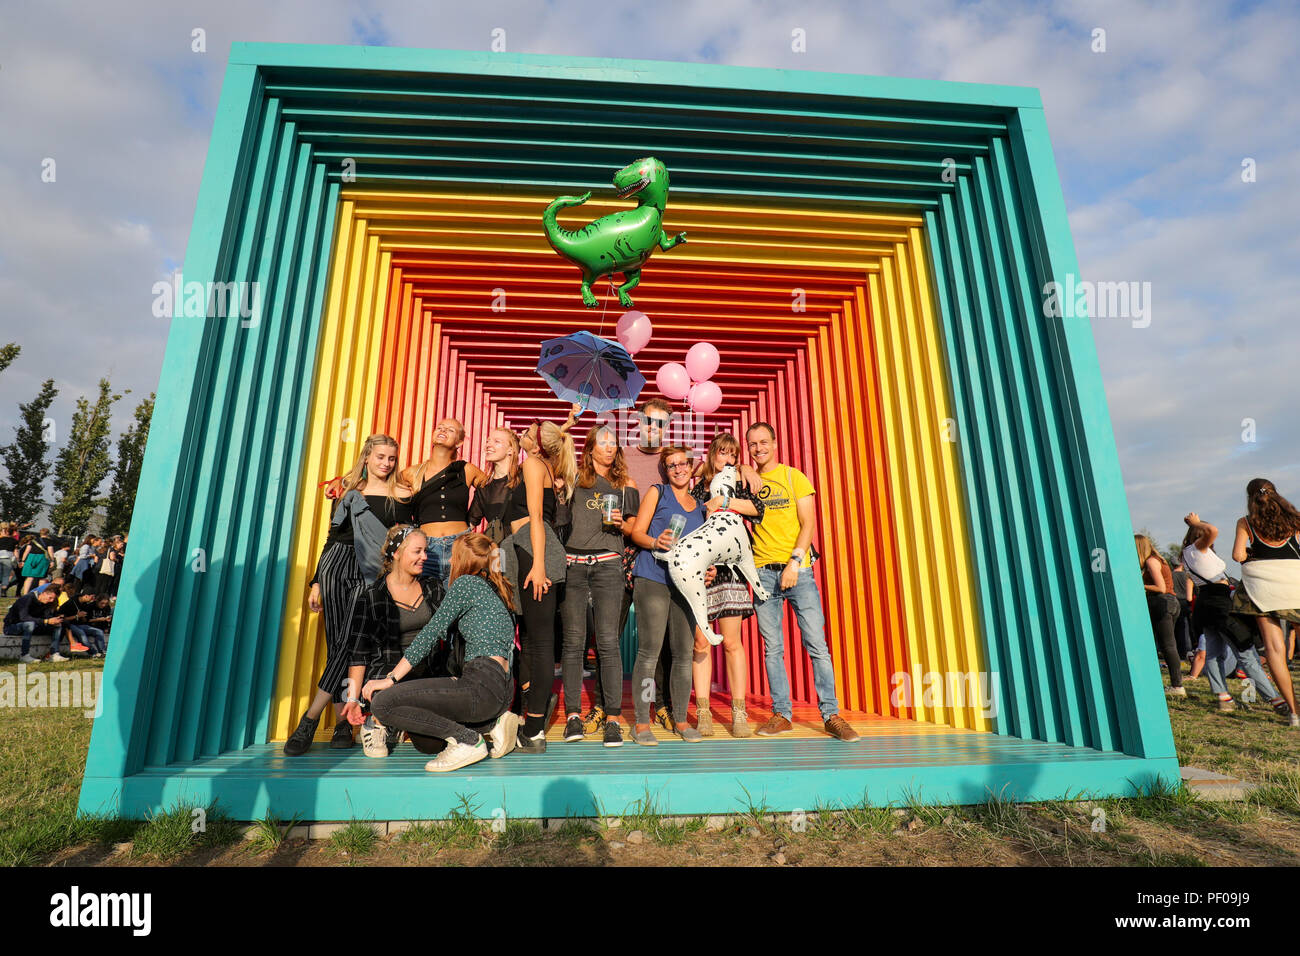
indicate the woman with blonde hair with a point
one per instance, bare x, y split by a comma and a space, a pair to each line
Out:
372, 502
501, 453
1268, 547
441, 498
535, 560
1158, 579
480, 603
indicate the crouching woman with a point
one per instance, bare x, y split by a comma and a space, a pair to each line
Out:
481, 604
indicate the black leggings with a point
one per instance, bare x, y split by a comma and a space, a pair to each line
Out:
537, 641
1163, 609
443, 708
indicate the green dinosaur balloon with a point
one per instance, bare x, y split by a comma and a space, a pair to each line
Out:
621, 241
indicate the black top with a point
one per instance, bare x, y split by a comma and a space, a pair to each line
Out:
443, 497
8, 543
1261, 550
488, 499
27, 608
518, 506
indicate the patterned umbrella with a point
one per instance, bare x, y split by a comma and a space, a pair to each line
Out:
596, 373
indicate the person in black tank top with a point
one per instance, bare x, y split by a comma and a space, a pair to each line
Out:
550, 460
1270, 532
338, 579
441, 499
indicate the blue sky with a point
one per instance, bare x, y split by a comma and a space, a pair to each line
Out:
1149, 138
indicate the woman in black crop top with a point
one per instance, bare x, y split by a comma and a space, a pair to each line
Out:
532, 504
1268, 547
338, 578
441, 499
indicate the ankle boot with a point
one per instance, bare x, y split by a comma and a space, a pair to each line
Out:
300, 740
739, 722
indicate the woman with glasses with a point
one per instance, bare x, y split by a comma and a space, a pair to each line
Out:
660, 607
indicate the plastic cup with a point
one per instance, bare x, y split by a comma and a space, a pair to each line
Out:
607, 505
676, 525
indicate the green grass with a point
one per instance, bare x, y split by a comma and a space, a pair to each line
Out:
358, 839
183, 827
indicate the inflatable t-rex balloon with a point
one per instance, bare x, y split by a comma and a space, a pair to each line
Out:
621, 241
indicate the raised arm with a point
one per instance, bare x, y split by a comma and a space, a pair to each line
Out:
1240, 542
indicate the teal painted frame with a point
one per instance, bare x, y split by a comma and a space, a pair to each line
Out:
185, 680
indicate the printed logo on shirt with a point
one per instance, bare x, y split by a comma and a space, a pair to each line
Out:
774, 495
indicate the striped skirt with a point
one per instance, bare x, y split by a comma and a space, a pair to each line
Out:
340, 580
728, 595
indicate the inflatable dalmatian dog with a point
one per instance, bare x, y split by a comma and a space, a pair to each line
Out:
722, 539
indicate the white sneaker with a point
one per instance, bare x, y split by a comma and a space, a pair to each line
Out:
504, 734
458, 755
374, 738
56, 656
1294, 721
28, 659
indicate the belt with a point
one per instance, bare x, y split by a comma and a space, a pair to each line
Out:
776, 567
592, 558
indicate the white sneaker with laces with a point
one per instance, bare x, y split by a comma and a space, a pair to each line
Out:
458, 755
374, 742
56, 656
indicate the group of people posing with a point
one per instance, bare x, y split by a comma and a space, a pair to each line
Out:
1231, 623
448, 590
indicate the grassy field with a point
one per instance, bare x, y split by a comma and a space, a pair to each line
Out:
42, 764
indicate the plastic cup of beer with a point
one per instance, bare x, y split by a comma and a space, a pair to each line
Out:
607, 505
676, 525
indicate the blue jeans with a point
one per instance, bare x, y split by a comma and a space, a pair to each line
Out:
1222, 659
807, 602
92, 637
437, 558
26, 629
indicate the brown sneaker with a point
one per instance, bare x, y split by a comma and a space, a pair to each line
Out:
837, 726
1227, 706
777, 725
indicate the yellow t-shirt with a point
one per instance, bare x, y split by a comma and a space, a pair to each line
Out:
776, 535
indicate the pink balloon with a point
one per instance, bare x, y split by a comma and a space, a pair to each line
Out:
702, 361
633, 331
673, 380
705, 397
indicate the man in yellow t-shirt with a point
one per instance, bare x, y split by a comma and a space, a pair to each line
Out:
782, 551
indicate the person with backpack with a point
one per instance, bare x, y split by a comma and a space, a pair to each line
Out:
1268, 546
1226, 637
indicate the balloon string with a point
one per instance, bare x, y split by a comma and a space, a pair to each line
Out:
606, 308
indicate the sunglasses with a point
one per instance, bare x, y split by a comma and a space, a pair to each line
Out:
661, 422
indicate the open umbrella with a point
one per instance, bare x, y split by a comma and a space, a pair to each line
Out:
596, 373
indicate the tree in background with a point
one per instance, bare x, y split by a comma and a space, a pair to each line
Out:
126, 476
83, 464
7, 355
26, 459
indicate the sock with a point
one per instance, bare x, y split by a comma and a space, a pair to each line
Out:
533, 725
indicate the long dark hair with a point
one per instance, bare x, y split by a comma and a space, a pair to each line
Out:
1272, 516
722, 441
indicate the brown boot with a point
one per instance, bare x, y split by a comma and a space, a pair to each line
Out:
703, 717
777, 725
837, 726
739, 722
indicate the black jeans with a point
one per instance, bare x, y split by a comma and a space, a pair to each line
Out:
602, 583
1163, 609
659, 609
537, 639
441, 707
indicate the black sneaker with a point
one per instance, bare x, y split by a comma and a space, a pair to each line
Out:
530, 745
299, 741
613, 733
573, 729
342, 738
